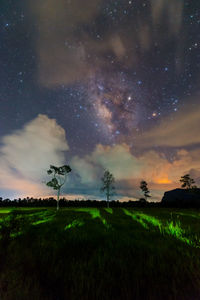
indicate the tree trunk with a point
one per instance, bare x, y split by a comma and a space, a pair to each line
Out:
58, 196
108, 199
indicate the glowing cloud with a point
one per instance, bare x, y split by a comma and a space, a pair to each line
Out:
27, 153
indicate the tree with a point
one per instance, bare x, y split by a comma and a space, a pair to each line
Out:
107, 185
145, 190
187, 182
59, 175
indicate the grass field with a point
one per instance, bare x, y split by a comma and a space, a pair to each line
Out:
90, 253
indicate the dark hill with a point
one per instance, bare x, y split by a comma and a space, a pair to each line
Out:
182, 198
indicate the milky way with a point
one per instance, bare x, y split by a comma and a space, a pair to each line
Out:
109, 72
116, 103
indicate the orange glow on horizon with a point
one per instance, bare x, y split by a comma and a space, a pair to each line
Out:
163, 181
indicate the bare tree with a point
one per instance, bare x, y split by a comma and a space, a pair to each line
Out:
59, 176
108, 181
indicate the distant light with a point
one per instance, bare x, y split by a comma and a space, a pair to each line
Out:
154, 114
163, 181
129, 98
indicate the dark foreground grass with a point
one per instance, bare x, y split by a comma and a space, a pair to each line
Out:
99, 254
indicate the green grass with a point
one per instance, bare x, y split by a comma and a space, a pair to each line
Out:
92, 253
5, 210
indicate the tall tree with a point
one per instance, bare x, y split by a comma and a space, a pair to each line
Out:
145, 190
108, 181
59, 176
187, 182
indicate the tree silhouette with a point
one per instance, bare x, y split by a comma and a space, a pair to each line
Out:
107, 185
145, 190
59, 175
187, 182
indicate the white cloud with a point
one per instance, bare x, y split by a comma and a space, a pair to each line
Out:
85, 168
118, 159
27, 153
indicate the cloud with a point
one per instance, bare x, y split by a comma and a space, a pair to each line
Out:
172, 10
118, 159
129, 169
61, 44
68, 51
85, 168
118, 46
181, 130
26, 154
126, 167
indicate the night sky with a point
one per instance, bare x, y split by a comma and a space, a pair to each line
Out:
99, 84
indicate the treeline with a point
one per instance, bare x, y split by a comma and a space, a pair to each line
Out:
51, 202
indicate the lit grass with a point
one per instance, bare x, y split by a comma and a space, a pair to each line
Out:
5, 211
95, 213
109, 210
75, 223
171, 227
74, 256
